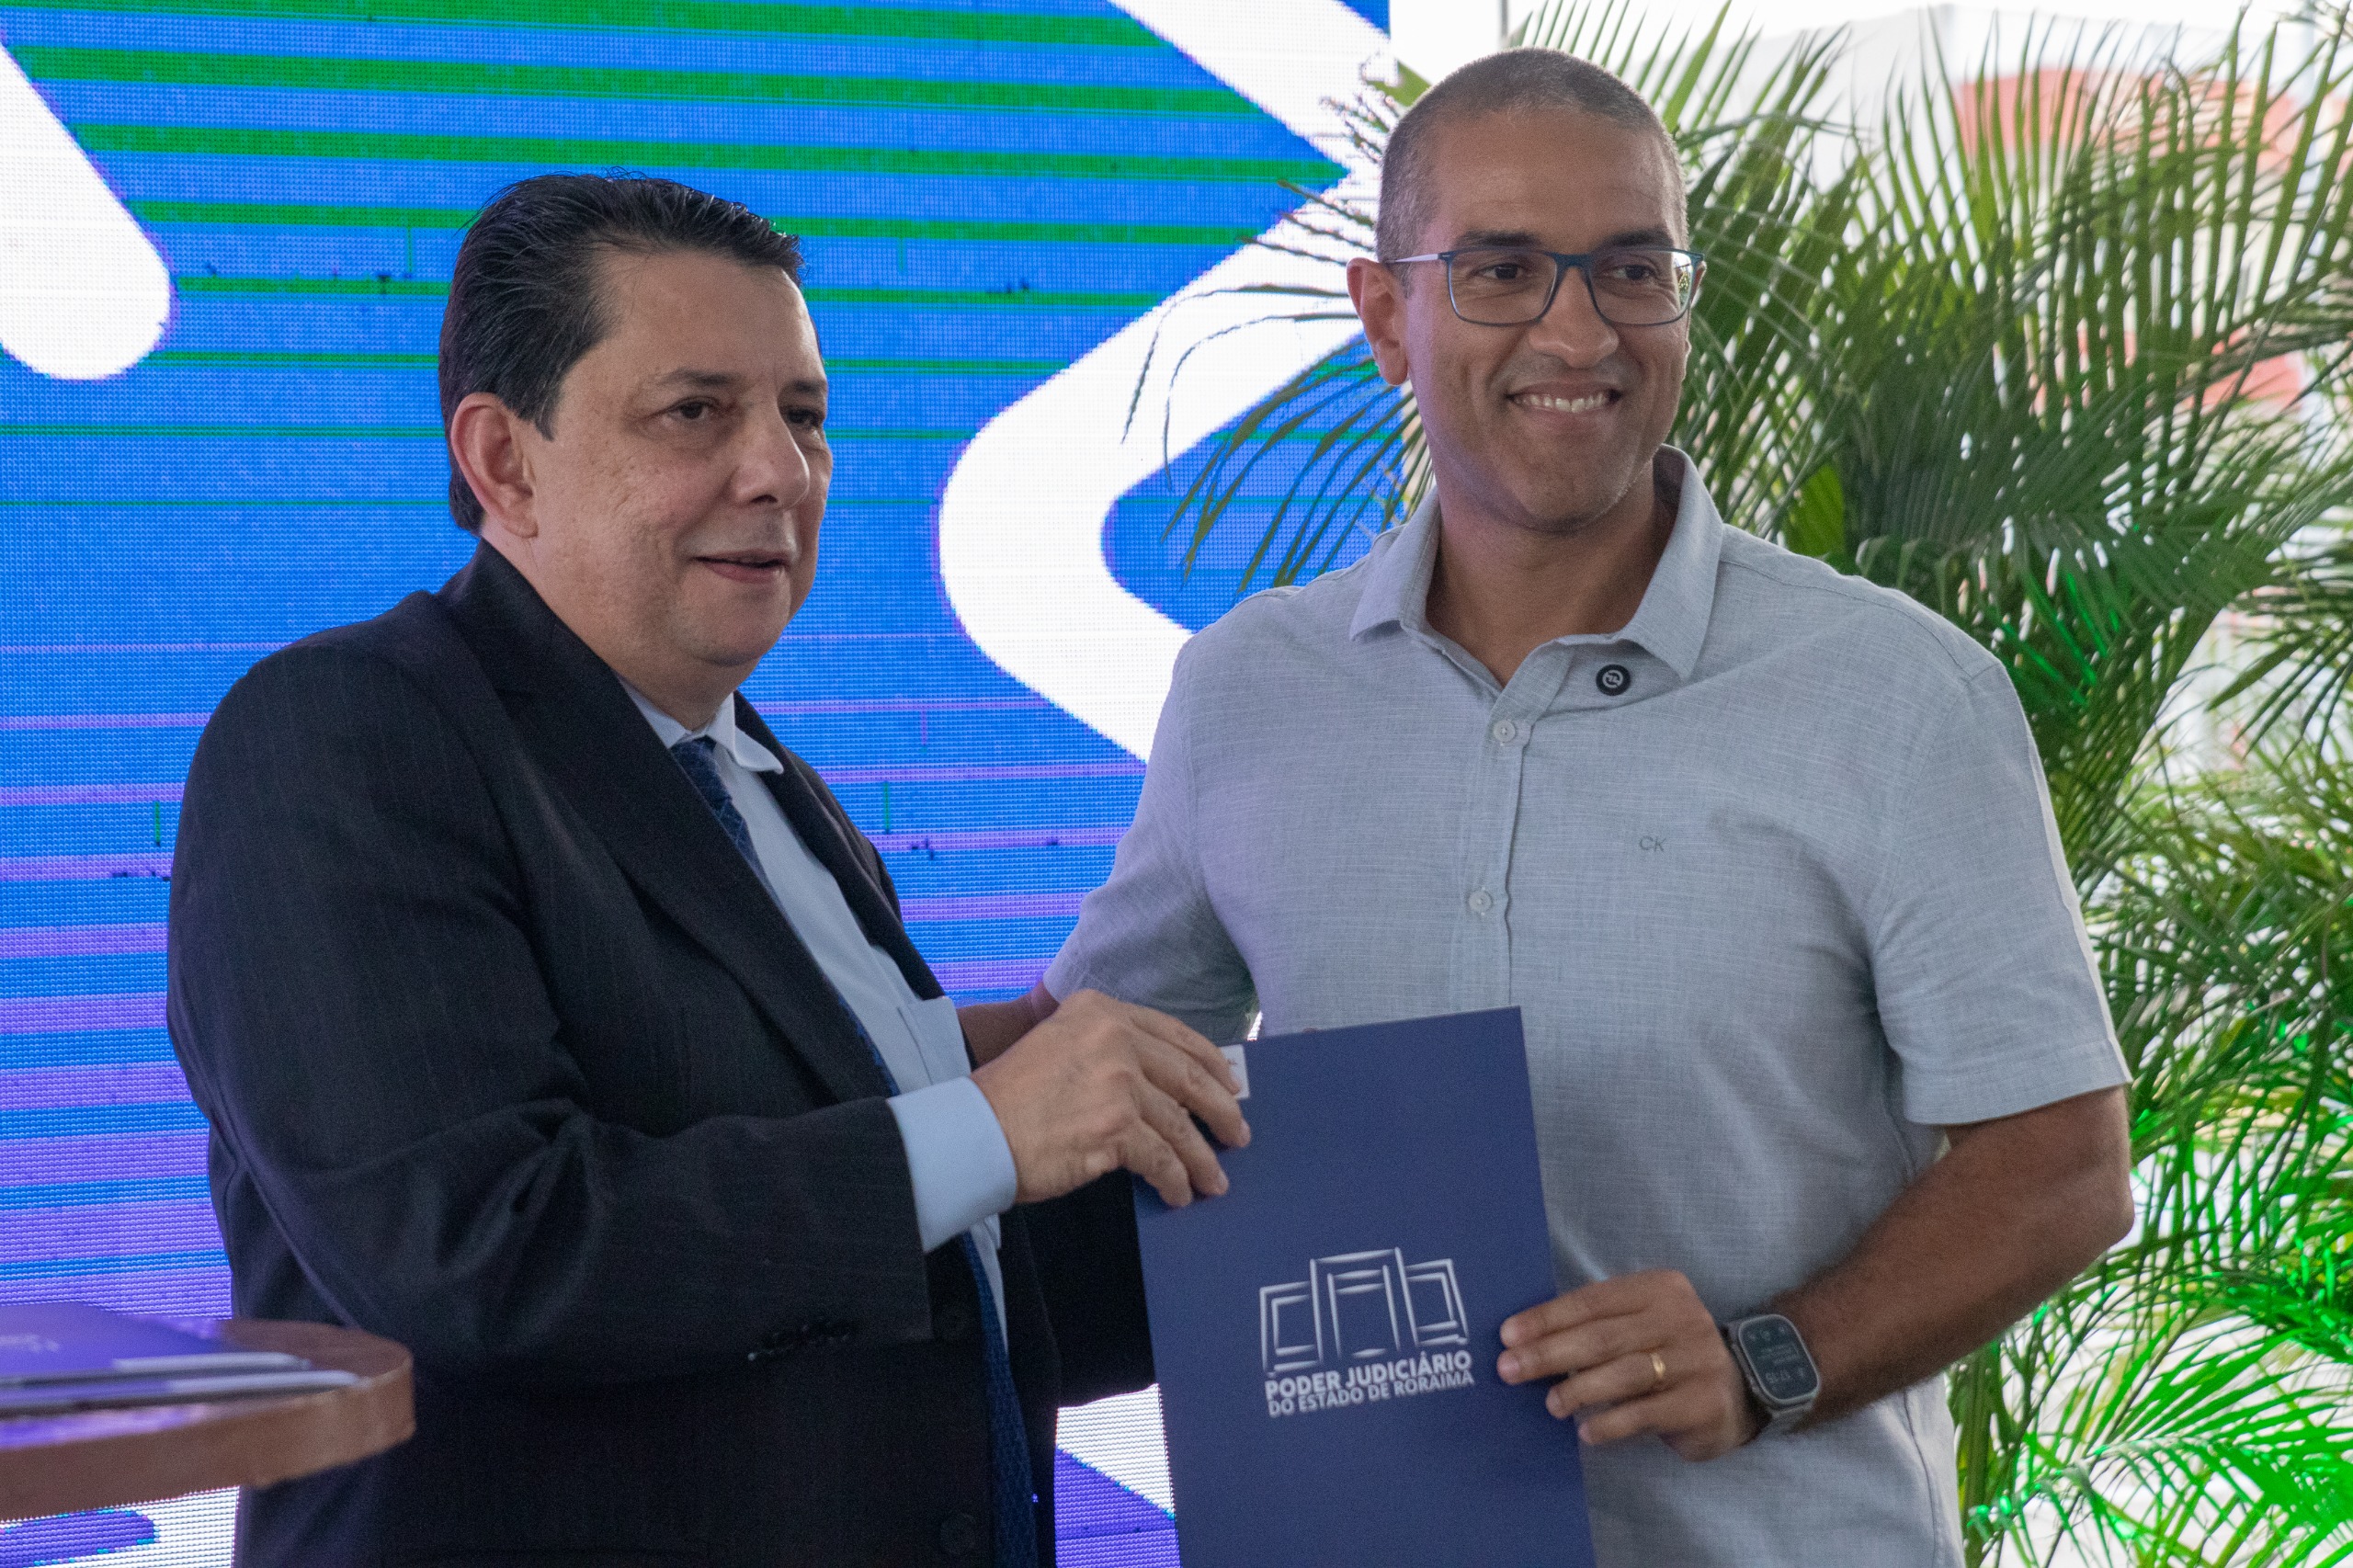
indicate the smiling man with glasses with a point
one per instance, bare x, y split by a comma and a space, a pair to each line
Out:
1826, 1088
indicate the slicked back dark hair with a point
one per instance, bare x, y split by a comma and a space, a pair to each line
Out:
525, 300
1515, 81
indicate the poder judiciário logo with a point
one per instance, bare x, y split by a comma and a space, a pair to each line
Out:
1362, 1328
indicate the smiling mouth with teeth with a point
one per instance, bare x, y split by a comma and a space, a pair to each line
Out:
1589, 404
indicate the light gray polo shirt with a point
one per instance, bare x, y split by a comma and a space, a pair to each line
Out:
1772, 875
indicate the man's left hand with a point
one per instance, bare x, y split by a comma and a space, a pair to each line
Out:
1636, 1353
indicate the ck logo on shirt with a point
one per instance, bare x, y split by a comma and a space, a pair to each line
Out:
1361, 1328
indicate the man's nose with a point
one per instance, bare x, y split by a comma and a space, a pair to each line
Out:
772, 466
1573, 329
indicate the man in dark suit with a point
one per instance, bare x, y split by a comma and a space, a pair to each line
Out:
554, 1019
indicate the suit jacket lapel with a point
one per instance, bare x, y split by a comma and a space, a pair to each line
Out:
818, 819
576, 718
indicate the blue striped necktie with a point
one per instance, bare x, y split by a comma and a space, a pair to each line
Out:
1014, 1492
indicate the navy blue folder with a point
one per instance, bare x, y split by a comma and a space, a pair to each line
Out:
1325, 1334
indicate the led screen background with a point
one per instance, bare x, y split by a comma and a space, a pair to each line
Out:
987, 193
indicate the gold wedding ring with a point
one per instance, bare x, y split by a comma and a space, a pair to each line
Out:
1658, 1372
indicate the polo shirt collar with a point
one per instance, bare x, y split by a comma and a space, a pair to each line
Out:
1671, 622
1397, 583
722, 730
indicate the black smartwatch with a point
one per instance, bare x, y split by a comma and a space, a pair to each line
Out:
1777, 1367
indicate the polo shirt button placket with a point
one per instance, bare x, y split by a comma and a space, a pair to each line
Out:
1482, 953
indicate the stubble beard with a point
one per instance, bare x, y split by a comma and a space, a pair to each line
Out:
1569, 504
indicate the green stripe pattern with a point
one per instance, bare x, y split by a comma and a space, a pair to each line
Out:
427, 288
475, 79
745, 17
241, 141
279, 215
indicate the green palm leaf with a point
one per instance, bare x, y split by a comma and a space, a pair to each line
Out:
2186, 1401
2033, 397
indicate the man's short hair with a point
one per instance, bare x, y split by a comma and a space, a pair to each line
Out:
525, 300
1512, 81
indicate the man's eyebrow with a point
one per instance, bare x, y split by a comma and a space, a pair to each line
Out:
1651, 236
699, 380
1646, 236
725, 381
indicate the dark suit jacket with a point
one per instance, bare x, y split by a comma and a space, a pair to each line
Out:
509, 1057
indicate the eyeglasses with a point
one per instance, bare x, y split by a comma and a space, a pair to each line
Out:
1513, 285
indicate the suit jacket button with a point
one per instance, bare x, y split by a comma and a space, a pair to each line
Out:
959, 1535
952, 1323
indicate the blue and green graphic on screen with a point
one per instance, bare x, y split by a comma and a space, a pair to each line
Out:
226, 227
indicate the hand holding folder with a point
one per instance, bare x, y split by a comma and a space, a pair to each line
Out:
1326, 1334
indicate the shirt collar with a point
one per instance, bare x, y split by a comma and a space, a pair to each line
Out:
748, 753
1671, 622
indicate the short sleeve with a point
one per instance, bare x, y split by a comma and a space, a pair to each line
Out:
1150, 935
1986, 984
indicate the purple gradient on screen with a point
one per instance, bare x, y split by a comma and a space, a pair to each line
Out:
135, 1083
1100, 1524
940, 773
195, 1288
27, 1161
982, 772
1092, 835
73, 1537
87, 795
41, 721
107, 1235
73, 1015
84, 867
37, 722
81, 941
992, 906
158, 863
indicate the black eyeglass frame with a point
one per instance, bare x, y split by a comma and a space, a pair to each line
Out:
1562, 261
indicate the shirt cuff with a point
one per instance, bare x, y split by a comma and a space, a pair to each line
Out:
957, 1159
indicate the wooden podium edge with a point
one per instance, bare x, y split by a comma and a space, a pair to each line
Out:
147, 1454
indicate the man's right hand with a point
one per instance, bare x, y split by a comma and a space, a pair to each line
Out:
1101, 1085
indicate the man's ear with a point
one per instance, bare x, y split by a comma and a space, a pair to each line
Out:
1379, 296
487, 444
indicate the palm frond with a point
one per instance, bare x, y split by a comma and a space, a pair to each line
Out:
2298, 665
2036, 400
2186, 1401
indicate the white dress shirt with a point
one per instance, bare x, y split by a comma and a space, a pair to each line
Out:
958, 1160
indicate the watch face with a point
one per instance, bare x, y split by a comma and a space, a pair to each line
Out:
1784, 1371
